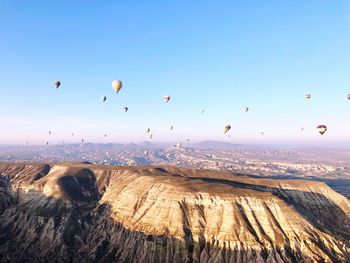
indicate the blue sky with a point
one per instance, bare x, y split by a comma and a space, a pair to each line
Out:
219, 56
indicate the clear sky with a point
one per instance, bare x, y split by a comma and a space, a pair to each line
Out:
219, 56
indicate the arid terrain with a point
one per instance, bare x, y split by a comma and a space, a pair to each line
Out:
80, 212
331, 166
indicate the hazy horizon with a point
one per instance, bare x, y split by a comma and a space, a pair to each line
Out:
207, 56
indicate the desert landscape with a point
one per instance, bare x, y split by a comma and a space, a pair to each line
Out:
80, 212
174, 131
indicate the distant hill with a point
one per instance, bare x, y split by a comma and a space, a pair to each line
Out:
216, 145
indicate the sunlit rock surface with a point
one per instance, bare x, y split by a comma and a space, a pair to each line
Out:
84, 213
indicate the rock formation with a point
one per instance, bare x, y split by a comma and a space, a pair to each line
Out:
78, 212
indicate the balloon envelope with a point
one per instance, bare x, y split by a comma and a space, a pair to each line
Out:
117, 85
321, 129
166, 98
56, 84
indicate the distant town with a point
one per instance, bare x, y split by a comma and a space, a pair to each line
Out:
326, 165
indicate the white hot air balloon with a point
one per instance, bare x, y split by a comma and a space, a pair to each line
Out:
321, 129
56, 84
307, 96
166, 99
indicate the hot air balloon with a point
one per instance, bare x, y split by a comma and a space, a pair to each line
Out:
246, 109
56, 84
349, 96
117, 85
126, 109
166, 98
307, 96
171, 128
227, 128
321, 129
104, 98
148, 130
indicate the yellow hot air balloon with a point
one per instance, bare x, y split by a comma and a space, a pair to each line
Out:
117, 85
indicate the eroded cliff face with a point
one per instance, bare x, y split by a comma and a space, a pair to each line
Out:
86, 213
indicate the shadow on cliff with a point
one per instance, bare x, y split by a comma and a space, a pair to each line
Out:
340, 185
30, 231
38, 228
317, 217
